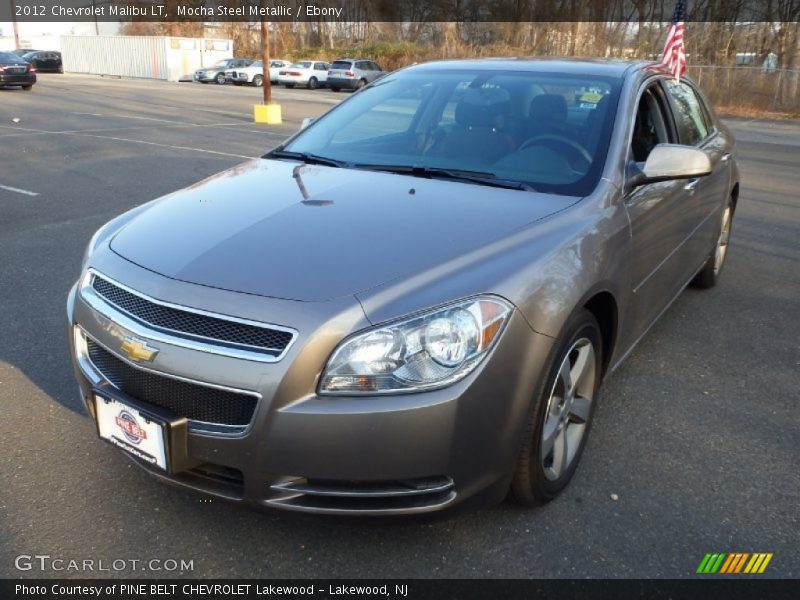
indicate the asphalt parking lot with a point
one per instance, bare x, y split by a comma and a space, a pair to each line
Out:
697, 435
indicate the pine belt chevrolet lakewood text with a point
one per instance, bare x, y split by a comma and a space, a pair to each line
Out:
412, 302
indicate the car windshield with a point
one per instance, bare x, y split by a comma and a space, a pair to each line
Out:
221, 63
547, 130
257, 64
29, 55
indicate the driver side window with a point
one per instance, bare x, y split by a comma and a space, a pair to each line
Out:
650, 125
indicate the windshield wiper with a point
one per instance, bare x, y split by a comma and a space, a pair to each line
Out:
478, 177
308, 158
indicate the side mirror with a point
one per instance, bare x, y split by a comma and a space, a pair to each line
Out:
671, 161
306, 122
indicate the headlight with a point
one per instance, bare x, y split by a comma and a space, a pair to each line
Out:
427, 351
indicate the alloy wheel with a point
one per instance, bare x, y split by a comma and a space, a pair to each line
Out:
568, 409
722, 243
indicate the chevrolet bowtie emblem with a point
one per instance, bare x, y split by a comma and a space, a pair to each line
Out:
138, 350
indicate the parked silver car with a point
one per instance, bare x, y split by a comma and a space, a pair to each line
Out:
353, 74
410, 304
216, 72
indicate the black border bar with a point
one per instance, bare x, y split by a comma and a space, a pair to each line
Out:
730, 588
428, 11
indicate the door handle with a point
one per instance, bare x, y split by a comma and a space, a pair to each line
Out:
726, 157
689, 187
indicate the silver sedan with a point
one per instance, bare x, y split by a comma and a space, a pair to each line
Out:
411, 304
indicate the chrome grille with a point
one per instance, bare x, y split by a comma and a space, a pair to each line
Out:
191, 324
194, 401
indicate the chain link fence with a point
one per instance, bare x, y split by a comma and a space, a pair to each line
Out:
749, 89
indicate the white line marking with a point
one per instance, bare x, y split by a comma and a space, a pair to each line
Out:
116, 139
18, 191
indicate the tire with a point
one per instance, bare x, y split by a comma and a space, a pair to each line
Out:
312, 83
288, 86
258, 80
220, 79
708, 276
540, 473
361, 83
335, 89
27, 88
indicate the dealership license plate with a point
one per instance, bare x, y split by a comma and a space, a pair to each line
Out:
126, 428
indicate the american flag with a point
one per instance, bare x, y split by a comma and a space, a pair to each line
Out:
674, 56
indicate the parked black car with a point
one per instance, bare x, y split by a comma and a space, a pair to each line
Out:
15, 71
45, 60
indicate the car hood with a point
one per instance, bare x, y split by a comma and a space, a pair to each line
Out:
301, 232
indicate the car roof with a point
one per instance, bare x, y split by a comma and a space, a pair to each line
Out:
583, 66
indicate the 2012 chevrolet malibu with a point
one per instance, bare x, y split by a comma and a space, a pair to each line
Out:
412, 302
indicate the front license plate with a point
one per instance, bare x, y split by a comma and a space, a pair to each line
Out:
126, 428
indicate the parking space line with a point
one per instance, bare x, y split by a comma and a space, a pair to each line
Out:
118, 139
8, 188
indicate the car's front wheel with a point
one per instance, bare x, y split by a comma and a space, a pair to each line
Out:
27, 88
220, 78
562, 414
258, 80
312, 83
709, 274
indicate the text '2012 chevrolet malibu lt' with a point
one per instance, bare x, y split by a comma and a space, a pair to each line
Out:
412, 302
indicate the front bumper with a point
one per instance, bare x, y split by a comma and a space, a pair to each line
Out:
17, 78
344, 455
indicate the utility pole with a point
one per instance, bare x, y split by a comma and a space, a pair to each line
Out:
14, 21
96, 26
266, 79
266, 112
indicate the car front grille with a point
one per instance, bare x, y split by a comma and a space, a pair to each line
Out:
196, 402
194, 325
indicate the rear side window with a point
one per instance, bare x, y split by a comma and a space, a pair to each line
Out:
341, 64
689, 114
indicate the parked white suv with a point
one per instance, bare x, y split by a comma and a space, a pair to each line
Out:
310, 73
254, 73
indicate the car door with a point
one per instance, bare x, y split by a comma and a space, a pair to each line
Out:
656, 213
321, 71
706, 195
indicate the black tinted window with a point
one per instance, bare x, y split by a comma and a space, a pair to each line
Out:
689, 119
341, 64
8, 57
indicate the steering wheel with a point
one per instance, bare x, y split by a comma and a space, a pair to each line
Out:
559, 139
